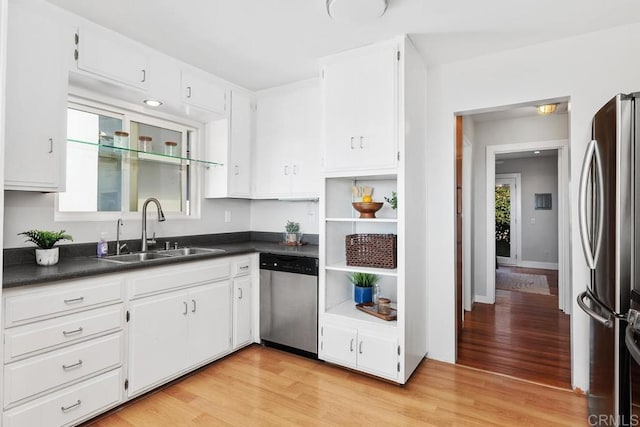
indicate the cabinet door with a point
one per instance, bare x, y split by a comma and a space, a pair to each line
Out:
36, 101
338, 345
306, 153
378, 355
242, 318
110, 55
157, 339
240, 145
209, 317
202, 92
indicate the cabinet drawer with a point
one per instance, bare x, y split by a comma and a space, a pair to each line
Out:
161, 280
70, 405
37, 374
24, 340
28, 307
241, 267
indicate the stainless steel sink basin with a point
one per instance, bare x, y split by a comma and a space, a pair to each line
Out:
137, 257
189, 251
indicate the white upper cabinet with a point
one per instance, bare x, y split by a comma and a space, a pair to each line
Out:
288, 128
109, 55
361, 109
229, 143
36, 100
202, 91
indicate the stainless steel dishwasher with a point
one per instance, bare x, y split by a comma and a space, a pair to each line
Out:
289, 303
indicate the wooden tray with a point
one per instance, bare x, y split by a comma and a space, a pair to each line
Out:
372, 309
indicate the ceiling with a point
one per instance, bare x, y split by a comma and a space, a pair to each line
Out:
259, 44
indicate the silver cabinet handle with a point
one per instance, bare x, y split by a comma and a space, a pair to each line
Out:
244, 267
590, 254
295, 169
286, 169
194, 306
74, 300
50, 145
360, 347
606, 321
352, 147
70, 407
144, 76
240, 293
186, 308
351, 345
362, 142
75, 331
237, 170
188, 91
72, 366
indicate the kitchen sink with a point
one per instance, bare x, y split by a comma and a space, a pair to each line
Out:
189, 251
137, 257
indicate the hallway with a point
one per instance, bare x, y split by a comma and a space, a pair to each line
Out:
523, 335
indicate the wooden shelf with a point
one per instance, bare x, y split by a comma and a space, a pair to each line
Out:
342, 266
348, 309
367, 220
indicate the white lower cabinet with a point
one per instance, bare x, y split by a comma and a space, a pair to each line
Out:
242, 308
360, 349
172, 332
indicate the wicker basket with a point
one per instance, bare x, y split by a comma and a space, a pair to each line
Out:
371, 250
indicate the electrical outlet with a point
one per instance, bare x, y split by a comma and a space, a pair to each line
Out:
227, 216
533, 220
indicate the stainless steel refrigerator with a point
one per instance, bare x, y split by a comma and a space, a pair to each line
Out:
608, 192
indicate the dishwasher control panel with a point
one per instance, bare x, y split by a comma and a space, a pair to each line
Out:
289, 264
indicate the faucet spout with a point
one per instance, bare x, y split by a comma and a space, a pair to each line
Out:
144, 242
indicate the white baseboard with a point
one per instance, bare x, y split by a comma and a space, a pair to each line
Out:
537, 264
482, 299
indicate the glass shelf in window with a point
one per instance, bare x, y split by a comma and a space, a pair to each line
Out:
106, 149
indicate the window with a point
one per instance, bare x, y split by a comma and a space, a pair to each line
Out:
116, 160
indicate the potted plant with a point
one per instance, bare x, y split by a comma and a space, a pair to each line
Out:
292, 233
363, 286
393, 200
46, 254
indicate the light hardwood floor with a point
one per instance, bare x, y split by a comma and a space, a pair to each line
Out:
263, 386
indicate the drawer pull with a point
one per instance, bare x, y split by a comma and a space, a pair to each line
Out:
73, 366
244, 267
75, 331
71, 407
74, 300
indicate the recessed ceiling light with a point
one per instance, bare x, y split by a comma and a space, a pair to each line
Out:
356, 10
152, 102
547, 109
536, 152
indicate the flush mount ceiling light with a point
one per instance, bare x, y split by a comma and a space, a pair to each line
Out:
152, 102
356, 10
547, 109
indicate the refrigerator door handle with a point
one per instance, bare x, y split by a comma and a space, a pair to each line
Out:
629, 336
606, 321
591, 255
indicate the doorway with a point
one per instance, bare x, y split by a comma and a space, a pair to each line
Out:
507, 214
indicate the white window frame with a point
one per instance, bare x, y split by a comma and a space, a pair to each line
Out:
195, 131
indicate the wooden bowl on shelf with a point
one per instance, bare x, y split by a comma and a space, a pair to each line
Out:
367, 209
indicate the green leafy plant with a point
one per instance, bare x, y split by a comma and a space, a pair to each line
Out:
363, 280
45, 239
393, 200
292, 227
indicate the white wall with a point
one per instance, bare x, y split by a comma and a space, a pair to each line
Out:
545, 71
272, 215
26, 210
539, 227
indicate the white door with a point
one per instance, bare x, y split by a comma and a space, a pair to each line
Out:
378, 355
240, 159
203, 92
339, 345
242, 318
306, 153
157, 339
209, 317
506, 230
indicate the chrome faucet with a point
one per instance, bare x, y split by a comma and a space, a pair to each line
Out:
145, 242
124, 245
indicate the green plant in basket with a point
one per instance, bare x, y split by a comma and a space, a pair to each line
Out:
45, 239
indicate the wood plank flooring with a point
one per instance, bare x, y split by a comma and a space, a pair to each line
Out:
522, 335
263, 386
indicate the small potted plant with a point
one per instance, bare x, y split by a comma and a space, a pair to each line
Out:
393, 200
46, 254
292, 235
363, 286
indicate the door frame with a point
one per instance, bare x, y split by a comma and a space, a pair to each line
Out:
516, 218
564, 243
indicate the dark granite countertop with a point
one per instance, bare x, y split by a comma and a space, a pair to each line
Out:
85, 266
